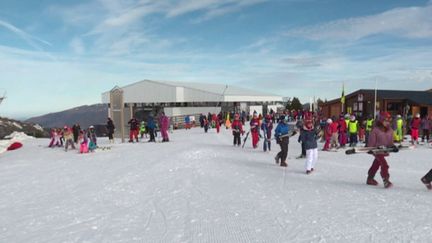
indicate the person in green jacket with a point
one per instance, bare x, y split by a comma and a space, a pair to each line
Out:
142, 129
369, 126
353, 128
399, 127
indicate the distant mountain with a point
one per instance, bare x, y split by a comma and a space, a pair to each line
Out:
8, 126
84, 115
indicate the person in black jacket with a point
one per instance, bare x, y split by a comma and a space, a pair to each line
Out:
308, 137
110, 128
76, 130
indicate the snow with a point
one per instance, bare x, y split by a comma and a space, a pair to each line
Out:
11, 138
199, 188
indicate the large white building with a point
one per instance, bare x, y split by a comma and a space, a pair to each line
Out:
178, 99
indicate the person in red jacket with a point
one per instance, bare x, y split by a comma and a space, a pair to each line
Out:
254, 128
415, 126
381, 135
237, 129
327, 134
342, 129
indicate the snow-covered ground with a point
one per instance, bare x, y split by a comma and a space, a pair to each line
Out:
199, 188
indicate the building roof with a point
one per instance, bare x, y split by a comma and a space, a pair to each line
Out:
417, 97
169, 91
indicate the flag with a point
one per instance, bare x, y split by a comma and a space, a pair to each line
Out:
343, 94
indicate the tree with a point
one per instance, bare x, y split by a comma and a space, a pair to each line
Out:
294, 104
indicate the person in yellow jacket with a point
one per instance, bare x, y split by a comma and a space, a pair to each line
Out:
369, 126
398, 130
353, 127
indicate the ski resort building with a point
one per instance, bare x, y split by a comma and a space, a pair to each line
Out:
178, 99
361, 103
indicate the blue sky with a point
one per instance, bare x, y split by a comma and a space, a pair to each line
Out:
56, 55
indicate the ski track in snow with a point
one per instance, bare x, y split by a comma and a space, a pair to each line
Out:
200, 188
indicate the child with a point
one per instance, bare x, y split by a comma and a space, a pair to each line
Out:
381, 135
68, 136
83, 141
237, 129
267, 127
427, 180
309, 138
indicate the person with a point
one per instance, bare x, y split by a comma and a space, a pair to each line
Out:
69, 138
55, 139
327, 134
381, 135
254, 130
133, 131
76, 130
187, 122
91, 134
353, 131
164, 125
205, 124
426, 125
281, 135
427, 179
110, 128
309, 138
399, 128
299, 126
237, 129
368, 129
151, 128
201, 120
415, 126
267, 127
342, 130
83, 141
143, 130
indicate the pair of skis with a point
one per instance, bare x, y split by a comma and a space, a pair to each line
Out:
377, 150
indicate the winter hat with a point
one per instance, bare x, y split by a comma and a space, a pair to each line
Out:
417, 115
383, 116
329, 121
398, 116
352, 118
91, 126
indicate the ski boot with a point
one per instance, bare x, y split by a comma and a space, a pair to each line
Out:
371, 181
387, 183
426, 183
283, 164
277, 159
308, 172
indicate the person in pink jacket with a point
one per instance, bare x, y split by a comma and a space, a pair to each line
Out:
381, 135
164, 125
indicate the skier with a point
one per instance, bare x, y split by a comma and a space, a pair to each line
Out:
267, 127
353, 131
426, 125
151, 128
187, 122
399, 128
164, 125
143, 130
254, 128
55, 139
415, 126
327, 134
76, 130
91, 134
281, 135
205, 124
133, 132
68, 135
381, 135
83, 141
201, 120
368, 129
342, 129
299, 126
309, 138
110, 128
427, 179
237, 129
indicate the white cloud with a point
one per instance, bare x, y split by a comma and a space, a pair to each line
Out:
411, 22
77, 46
25, 36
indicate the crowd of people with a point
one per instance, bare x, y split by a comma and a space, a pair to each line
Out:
335, 132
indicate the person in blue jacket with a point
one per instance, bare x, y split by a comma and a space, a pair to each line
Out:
282, 138
151, 125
